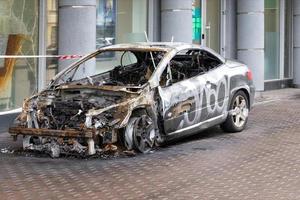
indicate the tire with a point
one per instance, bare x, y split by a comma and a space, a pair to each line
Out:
140, 134
237, 113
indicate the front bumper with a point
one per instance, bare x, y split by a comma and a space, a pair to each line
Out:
15, 131
54, 147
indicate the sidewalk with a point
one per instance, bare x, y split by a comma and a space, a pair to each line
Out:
273, 95
261, 162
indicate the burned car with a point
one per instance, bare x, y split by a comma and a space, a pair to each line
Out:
149, 93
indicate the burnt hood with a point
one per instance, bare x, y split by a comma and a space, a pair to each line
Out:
67, 106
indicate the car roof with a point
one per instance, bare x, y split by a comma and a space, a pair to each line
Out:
157, 46
150, 46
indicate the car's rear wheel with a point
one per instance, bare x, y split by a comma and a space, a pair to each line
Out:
140, 134
238, 113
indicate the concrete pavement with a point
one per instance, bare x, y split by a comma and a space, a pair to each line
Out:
262, 162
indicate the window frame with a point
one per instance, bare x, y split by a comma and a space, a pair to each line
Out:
191, 77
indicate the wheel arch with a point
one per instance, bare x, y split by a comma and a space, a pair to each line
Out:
147, 109
245, 90
247, 94
229, 125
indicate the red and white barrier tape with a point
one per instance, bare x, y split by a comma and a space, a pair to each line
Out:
68, 57
60, 57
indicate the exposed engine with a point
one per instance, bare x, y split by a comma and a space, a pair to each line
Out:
85, 114
67, 109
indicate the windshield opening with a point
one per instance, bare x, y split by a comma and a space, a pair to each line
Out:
126, 68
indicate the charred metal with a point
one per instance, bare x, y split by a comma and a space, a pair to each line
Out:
87, 114
145, 95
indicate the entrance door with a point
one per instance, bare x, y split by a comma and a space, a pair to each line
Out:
211, 20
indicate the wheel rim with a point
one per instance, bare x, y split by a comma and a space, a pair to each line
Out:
143, 134
239, 111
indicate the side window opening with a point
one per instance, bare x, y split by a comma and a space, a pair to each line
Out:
208, 61
187, 64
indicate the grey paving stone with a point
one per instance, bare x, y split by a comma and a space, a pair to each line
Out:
262, 162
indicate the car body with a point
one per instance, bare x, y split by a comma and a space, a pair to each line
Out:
150, 93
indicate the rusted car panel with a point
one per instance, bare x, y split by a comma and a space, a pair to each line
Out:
52, 132
156, 92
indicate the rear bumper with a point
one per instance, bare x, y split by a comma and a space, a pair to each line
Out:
15, 131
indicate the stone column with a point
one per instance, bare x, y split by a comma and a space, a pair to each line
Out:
296, 44
77, 31
154, 20
250, 34
229, 29
176, 20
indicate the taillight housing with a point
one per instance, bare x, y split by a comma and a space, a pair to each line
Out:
249, 75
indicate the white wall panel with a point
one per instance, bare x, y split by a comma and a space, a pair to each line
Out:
251, 31
250, 37
250, 5
255, 61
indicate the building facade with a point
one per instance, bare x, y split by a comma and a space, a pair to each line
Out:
260, 33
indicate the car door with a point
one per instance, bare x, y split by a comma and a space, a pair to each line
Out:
216, 90
181, 101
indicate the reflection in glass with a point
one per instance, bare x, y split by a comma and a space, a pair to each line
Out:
106, 25
272, 43
197, 22
52, 19
287, 39
212, 29
119, 21
18, 36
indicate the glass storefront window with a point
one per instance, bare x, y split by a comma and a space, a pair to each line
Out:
197, 22
288, 39
51, 38
119, 21
106, 25
206, 21
272, 39
131, 21
18, 36
106, 22
212, 24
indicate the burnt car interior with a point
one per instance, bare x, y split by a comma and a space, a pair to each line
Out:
79, 109
130, 68
137, 73
187, 64
67, 110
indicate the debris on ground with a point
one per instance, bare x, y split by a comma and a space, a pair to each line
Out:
129, 153
7, 150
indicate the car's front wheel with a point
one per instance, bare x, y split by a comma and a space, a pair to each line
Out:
140, 134
238, 113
